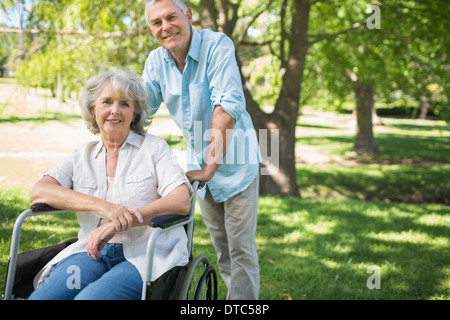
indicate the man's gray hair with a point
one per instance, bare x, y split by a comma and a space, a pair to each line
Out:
128, 85
149, 3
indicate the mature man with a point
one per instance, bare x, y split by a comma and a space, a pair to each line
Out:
195, 73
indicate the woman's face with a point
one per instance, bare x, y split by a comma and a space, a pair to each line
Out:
113, 113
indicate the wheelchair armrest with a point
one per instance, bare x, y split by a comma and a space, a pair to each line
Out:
169, 220
41, 207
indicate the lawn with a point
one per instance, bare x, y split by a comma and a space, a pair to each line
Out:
387, 213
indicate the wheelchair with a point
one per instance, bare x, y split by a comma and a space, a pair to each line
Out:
195, 281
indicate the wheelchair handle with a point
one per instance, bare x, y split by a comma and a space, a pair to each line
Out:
41, 207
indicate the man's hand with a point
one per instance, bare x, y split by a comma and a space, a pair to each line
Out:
200, 175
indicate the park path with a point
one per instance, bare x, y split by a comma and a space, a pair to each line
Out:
28, 148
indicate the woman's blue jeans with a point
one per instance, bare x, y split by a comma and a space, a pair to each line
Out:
80, 277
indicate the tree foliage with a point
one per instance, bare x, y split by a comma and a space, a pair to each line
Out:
78, 39
407, 54
290, 52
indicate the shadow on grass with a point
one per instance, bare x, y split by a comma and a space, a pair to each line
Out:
421, 148
393, 146
37, 232
316, 126
310, 249
373, 182
319, 249
417, 127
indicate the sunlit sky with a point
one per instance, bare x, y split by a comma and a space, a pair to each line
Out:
11, 18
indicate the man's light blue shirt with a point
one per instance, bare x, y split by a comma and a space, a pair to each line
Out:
210, 78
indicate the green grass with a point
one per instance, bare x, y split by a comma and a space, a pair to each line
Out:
376, 182
37, 232
321, 249
308, 248
414, 147
400, 139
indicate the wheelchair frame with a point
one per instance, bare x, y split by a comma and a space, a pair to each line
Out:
161, 224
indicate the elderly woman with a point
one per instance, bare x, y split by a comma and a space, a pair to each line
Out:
116, 185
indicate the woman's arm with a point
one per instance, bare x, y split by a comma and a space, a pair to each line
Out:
177, 201
48, 190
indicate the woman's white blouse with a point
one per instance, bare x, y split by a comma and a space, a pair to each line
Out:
146, 171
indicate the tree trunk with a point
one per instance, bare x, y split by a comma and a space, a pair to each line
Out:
364, 143
59, 88
276, 136
208, 13
283, 120
376, 120
424, 106
278, 172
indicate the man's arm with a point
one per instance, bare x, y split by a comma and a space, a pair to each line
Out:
221, 122
149, 75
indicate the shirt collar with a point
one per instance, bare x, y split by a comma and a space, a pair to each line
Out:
133, 139
196, 41
194, 48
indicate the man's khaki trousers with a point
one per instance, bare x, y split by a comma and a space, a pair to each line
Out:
232, 227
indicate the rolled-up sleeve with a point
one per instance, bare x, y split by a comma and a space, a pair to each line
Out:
63, 172
151, 85
168, 172
225, 80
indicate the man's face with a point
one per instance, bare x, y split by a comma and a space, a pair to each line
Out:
170, 26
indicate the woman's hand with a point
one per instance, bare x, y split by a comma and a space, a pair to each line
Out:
99, 238
120, 216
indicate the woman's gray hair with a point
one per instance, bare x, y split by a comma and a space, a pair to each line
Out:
179, 3
128, 85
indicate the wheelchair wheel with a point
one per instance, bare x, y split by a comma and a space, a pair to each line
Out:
200, 282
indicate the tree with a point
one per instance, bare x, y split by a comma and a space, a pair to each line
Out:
69, 41
279, 43
350, 50
7, 43
289, 39
423, 68
351, 61
377, 51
